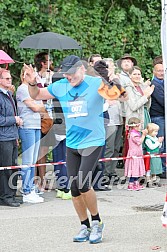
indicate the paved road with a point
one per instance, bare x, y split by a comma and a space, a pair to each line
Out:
50, 226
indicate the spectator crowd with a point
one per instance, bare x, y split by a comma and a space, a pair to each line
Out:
96, 105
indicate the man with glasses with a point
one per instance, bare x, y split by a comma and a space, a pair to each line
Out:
157, 109
9, 122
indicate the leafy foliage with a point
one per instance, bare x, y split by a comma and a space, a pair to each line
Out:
110, 27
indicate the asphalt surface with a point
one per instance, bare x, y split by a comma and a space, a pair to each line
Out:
131, 225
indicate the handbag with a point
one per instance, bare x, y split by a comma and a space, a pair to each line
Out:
46, 122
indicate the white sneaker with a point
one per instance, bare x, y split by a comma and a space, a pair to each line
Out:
32, 198
35, 193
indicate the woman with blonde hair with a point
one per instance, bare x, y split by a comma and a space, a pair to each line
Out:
30, 132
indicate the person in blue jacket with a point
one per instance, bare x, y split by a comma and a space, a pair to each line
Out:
9, 122
157, 109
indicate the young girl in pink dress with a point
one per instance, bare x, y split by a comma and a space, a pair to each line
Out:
134, 167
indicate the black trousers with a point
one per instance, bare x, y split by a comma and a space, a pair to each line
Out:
8, 177
81, 164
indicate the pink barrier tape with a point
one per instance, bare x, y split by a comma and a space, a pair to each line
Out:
100, 160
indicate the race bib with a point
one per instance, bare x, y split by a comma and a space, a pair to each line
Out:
77, 108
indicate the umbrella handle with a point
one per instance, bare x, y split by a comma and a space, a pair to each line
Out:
6, 66
48, 59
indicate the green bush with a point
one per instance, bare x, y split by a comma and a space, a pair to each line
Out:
110, 28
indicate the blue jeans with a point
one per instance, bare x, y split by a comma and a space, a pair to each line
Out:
160, 121
59, 155
30, 142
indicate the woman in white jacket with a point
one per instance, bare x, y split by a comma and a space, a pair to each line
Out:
139, 94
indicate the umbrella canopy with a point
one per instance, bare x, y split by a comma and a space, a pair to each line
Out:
5, 58
49, 40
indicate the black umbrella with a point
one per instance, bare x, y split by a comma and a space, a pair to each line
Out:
49, 40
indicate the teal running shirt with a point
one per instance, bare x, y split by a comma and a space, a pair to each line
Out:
83, 111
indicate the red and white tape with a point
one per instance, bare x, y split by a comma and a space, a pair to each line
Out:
100, 160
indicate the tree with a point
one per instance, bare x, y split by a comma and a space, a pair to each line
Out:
110, 28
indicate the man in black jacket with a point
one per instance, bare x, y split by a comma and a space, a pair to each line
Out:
9, 121
157, 110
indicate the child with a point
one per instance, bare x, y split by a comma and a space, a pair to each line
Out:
152, 145
134, 167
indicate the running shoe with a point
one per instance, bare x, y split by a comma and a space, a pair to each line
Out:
96, 234
83, 234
